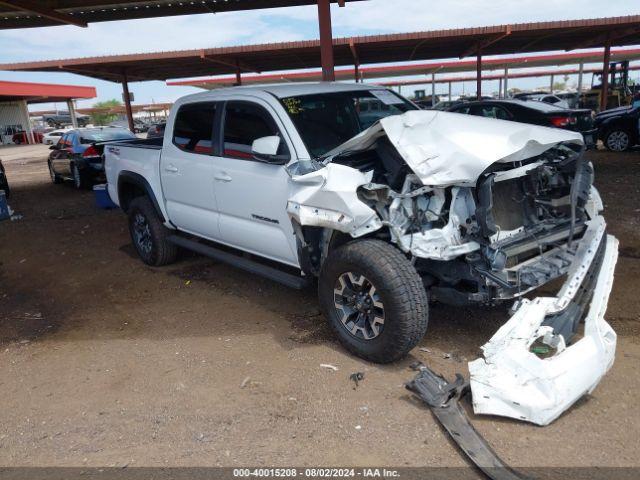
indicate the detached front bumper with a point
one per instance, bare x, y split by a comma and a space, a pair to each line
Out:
512, 381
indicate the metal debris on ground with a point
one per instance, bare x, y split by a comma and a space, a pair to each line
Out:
443, 397
329, 366
417, 366
356, 378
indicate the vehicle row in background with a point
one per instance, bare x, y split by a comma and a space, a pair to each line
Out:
77, 156
156, 130
535, 113
61, 118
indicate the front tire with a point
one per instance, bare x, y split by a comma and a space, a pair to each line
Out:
617, 140
374, 299
149, 235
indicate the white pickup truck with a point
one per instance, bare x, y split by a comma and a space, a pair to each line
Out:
389, 207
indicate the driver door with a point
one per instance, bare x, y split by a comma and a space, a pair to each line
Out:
252, 195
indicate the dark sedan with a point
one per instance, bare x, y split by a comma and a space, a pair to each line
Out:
536, 113
618, 128
78, 154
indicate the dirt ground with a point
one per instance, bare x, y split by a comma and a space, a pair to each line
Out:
108, 362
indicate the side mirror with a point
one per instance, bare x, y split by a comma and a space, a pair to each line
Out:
265, 149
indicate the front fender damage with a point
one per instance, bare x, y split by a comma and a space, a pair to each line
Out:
328, 198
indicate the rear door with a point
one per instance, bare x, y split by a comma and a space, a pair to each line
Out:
252, 195
186, 170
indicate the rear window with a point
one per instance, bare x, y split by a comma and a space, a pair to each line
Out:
193, 130
106, 135
542, 106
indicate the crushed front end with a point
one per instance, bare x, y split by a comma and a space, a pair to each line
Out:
489, 211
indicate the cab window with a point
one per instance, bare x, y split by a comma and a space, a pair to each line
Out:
193, 130
245, 122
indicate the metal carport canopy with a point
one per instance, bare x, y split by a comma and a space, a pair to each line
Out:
31, 13
495, 40
421, 68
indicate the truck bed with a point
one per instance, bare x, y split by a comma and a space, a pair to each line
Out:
153, 143
137, 157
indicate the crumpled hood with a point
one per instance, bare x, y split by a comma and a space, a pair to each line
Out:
444, 148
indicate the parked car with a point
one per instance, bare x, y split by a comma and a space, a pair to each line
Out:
618, 128
422, 205
64, 118
156, 130
78, 154
447, 104
536, 113
572, 98
54, 136
138, 125
4, 183
542, 97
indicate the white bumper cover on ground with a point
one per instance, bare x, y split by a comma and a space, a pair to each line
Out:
512, 381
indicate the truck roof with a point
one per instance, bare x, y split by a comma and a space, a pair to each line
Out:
282, 90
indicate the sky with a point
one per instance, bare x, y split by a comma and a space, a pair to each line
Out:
275, 25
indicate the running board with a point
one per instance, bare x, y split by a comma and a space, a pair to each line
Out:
288, 279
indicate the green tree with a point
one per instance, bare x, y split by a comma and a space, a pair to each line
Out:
103, 117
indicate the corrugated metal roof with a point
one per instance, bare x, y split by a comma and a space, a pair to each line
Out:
402, 47
89, 11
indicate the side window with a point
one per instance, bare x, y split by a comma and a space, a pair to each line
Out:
465, 110
491, 111
243, 123
63, 142
193, 130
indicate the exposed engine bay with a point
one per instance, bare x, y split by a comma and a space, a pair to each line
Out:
511, 230
488, 211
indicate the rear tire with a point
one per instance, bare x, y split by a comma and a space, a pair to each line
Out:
149, 235
617, 140
79, 178
374, 299
55, 178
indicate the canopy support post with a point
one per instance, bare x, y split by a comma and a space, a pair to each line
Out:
479, 75
604, 93
506, 82
326, 41
72, 113
126, 96
433, 89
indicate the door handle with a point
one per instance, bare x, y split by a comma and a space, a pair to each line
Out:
223, 177
171, 168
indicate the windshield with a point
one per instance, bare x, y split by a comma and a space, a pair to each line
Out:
106, 135
326, 120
